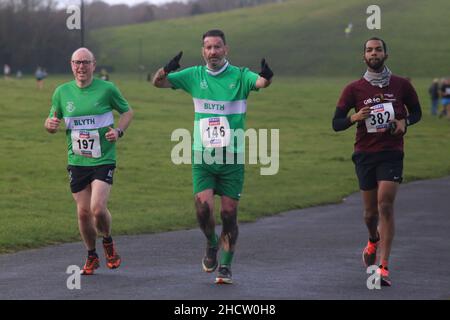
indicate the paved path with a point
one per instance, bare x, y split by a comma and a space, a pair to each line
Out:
313, 253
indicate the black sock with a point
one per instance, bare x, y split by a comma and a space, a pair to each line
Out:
107, 240
92, 253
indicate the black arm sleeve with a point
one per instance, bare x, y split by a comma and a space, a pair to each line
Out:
415, 114
340, 120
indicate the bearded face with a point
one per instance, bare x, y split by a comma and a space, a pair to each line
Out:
214, 52
374, 55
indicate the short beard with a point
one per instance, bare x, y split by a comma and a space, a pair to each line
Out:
216, 66
377, 66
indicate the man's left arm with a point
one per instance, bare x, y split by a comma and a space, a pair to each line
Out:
414, 111
124, 122
120, 104
265, 76
125, 119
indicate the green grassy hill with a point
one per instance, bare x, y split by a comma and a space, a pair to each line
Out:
152, 194
298, 37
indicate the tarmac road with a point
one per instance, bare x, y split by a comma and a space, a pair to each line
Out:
313, 253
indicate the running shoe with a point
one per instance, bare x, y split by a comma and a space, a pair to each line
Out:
112, 258
384, 276
209, 261
224, 275
369, 255
91, 264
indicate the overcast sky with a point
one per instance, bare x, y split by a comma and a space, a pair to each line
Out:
128, 2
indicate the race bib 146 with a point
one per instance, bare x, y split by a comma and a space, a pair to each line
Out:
215, 132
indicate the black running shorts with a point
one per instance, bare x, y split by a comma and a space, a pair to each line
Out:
372, 167
82, 176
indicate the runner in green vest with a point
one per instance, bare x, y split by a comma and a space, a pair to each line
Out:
86, 105
220, 92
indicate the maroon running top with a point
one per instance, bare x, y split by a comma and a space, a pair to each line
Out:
360, 93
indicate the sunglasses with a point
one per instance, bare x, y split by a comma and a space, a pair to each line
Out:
79, 62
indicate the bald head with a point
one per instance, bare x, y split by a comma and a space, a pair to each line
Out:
83, 52
83, 66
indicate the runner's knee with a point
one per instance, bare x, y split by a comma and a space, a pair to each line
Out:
98, 210
84, 214
386, 207
202, 209
229, 208
370, 212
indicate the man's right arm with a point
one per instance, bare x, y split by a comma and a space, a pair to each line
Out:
340, 120
160, 79
52, 122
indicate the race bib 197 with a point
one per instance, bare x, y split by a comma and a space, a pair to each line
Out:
380, 116
215, 132
86, 143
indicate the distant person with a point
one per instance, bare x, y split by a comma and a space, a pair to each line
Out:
40, 75
379, 99
86, 105
216, 83
348, 30
445, 93
104, 75
434, 95
6, 71
19, 74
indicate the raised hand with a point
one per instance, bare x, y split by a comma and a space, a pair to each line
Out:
266, 72
173, 64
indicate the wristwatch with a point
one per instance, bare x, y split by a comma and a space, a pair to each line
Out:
120, 131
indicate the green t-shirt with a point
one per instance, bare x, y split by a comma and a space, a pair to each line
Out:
220, 102
87, 113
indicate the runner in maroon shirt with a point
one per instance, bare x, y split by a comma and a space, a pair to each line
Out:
385, 106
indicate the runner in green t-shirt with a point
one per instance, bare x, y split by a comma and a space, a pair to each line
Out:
86, 105
220, 92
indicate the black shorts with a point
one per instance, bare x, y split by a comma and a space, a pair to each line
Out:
82, 176
378, 166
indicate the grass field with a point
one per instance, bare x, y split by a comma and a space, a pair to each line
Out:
151, 194
298, 37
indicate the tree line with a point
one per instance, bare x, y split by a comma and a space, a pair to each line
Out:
99, 14
34, 33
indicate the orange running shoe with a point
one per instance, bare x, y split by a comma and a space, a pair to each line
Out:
224, 275
112, 258
384, 276
370, 253
91, 264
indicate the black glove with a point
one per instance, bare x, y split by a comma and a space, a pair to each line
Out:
173, 64
266, 72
